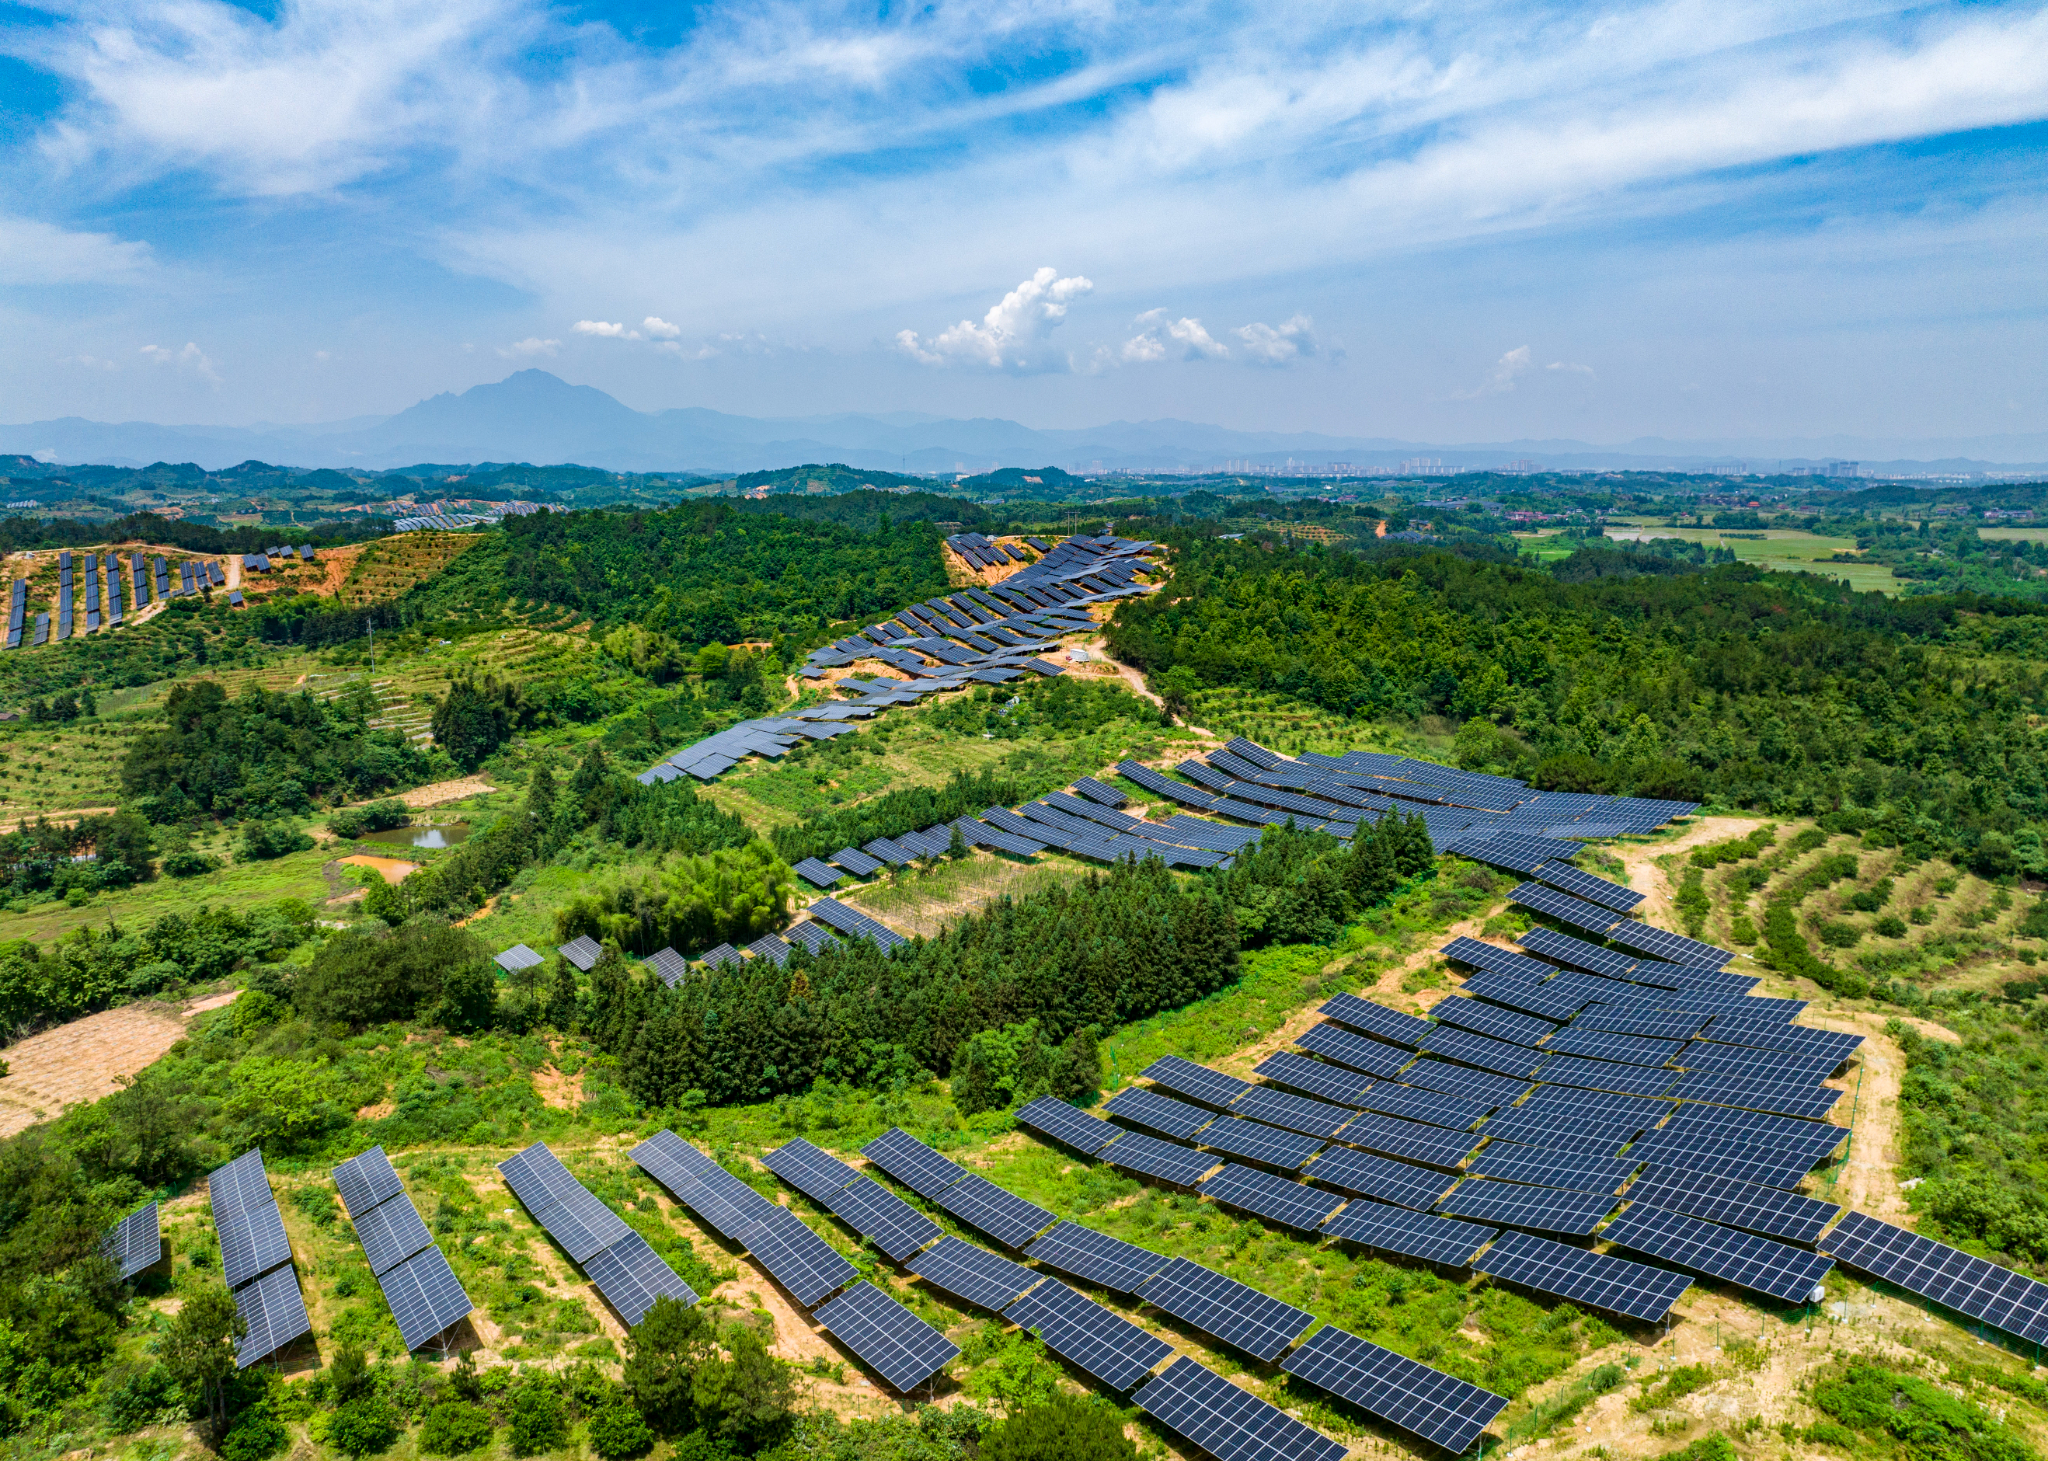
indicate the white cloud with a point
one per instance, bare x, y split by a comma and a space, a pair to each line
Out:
1565, 367
659, 328
1510, 368
90, 362
529, 347
1281, 344
190, 358
34, 252
1164, 336
1013, 334
599, 327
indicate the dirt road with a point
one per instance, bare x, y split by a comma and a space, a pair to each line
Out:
1645, 877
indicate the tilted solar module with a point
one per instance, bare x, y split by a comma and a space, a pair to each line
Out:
134, 1243
1411, 1141
1515, 1205
1767, 1210
1783, 1098
883, 1218
796, 1257
1491, 1020
631, 1276
1196, 1082
814, 1173
1230, 1312
1610, 1045
390, 1233
1607, 1075
1374, 1057
1487, 957
1003, 1215
1801, 1040
1950, 1277
984, 1279
1776, 1270
1497, 1056
1361, 1174
425, 1296
857, 862
1228, 1421
912, 1163
1661, 944
1412, 1104
1516, 852
1481, 1086
1566, 909
1161, 1160
1651, 1024
900, 1347
1316, 1077
1278, 1199
1766, 1132
1083, 1253
559, 1203
1375, 1019
1147, 1110
1762, 1013
818, 874
1555, 1000
1577, 952
250, 1228
275, 1312
1584, 885
1734, 1159
1069, 1126
1540, 1168
1293, 1113
1442, 1409
1597, 1280
1409, 1234
1257, 1142
1097, 1340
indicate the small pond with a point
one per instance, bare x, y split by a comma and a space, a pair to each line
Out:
448, 834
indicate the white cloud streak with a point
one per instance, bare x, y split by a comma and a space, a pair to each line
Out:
34, 252
191, 358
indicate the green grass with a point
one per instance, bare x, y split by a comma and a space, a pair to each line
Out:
1782, 550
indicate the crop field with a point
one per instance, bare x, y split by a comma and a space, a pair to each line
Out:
1782, 550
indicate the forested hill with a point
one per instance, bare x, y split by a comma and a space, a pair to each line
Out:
700, 572
1775, 691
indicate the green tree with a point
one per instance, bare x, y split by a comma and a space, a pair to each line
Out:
618, 1431
535, 1419
1064, 1428
565, 1009
455, 1427
1176, 688
664, 1351
747, 1396
469, 997
474, 718
199, 1349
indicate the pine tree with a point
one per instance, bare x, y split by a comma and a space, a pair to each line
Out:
565, 1004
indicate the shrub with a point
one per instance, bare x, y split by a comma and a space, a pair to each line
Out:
378, 816
1066, 1428
185, 863
455, 1428
1715, 1447
362, 1427
1928, 1421
255, 1436
143, 1397
535, 1419
262, 841
618, 1431
1889, 926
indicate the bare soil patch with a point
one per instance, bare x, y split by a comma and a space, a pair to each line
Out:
1645, 877
88, 1058
392, 869
440, 793
563, 1092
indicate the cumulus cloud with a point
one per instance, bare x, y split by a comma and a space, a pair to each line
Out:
1510, 368
191, 358
659, 328
607, 331
1281, 344
529, 347
1013, 335
1163, 336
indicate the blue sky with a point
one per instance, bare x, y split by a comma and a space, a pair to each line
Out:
1453, 222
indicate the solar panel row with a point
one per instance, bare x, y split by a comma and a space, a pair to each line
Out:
629, 1273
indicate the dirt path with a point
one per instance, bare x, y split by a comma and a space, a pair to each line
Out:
88, 1058
1645, 877
1869, 1180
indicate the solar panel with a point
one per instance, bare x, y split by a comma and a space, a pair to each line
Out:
1516, 853
1598, 1280
1277, 1199
1293, 1113
1584, 885
1541, 1168
1228, 1422
1776, 1270
883, 1218
1566, 909
1767, 1210
912, 1163
1803, 1040
1487, 1019
1489, 958
1411, 1141
366, 1180
1766, 1132
984, 1279
1442, 1409
1607, 1045
816, 1174
1950, 1277
252, 1239
1734, 1159
797, 1258
856, 862
1576, 952
1230, 1312
900, 1347
1410, 1234
134, 1243
1454, 1112
1515, 1205
390, 1233
1556, 1000
1083, 1253
1071, 1127
1374, 1057
1488, 1054
1318, 1078
1147, 1110
1196, 1082
1662, 944
1361, 1174
1480, 1086
1375, 1019
1098, 1341
1161, 1160
275, 1312
1651, 1024
1785, 1098
631, 1276
818, 874
1607, 1075
1003, 1215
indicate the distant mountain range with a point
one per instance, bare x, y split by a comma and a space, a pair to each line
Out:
538, 418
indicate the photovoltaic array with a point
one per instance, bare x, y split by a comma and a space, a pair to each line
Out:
134, 1243
425, 1297
256, 1258
1438, 1407
900, 1347
617, 1260
1228, 1421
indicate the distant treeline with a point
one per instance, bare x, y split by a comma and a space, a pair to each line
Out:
18, 533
